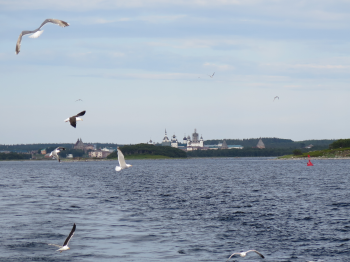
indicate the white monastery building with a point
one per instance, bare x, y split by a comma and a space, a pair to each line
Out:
194, 144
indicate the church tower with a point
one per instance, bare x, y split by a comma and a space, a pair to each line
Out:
195, 136
166, 141
260, 144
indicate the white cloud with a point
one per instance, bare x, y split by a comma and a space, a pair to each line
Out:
144, 76
308, 66
83, 5
221, 67
117, 54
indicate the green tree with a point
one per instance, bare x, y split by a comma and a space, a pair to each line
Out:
297, 152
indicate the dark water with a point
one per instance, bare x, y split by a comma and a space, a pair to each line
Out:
176, 210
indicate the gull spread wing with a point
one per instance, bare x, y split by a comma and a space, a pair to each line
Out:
73, 121
121, 159
256, 252
80, 114
54, 21
69, 236
18, 45
233, 255
36, 33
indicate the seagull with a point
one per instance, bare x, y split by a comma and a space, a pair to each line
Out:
65, 244
243, 254
122, 164
275, 98
211, 76
73, 120
55, 155
79, 100
37, 32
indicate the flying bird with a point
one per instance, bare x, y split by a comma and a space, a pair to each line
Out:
275, 98
122, 164
73, 120
243, 254
55, 155
79, 100
211, 76
65, 244
37, 32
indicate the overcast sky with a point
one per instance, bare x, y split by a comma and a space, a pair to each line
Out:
141, 66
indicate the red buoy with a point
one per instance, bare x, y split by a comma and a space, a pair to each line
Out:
309, 163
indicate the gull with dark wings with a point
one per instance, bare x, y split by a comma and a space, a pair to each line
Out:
37, 32
275, 98
65, 244
211, 76
243, 254
73, 119
54, 153
121, 160
79, 100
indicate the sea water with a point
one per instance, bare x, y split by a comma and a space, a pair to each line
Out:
176, 210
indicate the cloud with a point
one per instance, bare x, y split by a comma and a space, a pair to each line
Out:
309, 66
221, 67
83, 5
144, 76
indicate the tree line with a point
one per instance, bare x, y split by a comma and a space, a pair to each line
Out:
245, 152
341, 143
14, 156
272, 142
146, 149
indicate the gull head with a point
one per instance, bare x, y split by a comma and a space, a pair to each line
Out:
66, 120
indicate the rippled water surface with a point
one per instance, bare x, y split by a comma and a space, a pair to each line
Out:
176, 210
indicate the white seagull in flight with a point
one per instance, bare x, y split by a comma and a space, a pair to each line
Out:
37, 32
73, 119
54, 153
243, 254
122, 164
275, 98
79, 100
211, 76
65, 244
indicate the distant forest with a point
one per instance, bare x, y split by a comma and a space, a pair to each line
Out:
14, 156
247, 152
149, 149
35, 147
270, 143
273, 142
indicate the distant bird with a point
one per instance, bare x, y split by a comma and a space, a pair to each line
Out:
65, 244
79, 100
275, 98
73, 120
55, 155
243, 254
211, 76
36, 33
122, 164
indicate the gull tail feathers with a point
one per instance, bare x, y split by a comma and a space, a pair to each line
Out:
36, 34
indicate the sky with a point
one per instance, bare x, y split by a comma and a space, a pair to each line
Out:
141, 67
